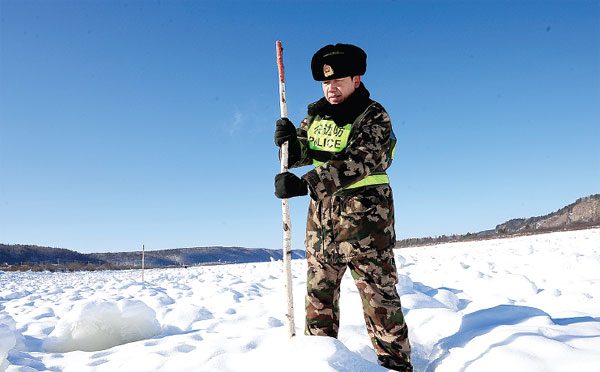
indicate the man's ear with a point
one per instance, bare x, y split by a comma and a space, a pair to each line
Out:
356, 80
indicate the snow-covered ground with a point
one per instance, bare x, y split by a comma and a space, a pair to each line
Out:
520, 304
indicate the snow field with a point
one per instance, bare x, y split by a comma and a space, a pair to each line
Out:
522, 304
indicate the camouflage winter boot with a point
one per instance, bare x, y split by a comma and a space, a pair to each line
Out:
395, 365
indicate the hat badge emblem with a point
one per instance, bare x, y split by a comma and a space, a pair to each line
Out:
327, 70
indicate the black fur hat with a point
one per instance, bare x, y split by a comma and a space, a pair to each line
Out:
337, 61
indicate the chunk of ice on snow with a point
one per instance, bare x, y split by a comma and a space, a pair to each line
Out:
100, 324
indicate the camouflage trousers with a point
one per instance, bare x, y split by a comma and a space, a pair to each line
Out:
375, 277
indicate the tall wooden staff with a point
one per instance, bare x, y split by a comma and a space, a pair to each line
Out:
285, 206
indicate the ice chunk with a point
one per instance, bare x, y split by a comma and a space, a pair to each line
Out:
100, 324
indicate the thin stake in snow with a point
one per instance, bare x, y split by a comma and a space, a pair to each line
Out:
285, 207
143, 252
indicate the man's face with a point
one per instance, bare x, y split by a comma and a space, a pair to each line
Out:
338, 90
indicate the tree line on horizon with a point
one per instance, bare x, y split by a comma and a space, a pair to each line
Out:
582, 214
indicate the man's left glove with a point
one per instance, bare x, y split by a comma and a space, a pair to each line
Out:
288, 185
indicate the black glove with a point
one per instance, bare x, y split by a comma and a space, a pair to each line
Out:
284, 131
288, 185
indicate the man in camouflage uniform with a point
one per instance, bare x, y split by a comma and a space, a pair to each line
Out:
348, 138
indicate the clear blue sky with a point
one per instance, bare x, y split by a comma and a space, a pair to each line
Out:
144, 122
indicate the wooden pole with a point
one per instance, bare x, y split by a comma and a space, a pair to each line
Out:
143, 254
285, 206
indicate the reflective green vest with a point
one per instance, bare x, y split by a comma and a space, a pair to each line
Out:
325, 135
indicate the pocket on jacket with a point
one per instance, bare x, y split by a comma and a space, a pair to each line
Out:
366, 220
358, 215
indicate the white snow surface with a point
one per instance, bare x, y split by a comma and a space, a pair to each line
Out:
520, 304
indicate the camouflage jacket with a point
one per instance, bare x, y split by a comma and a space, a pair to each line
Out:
344, 223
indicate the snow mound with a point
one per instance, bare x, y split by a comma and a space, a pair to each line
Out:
428, 325
100, 324
327, 354
8, 338
185, 315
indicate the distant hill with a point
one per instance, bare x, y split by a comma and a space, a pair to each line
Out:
32, 254
20, 254
195, 256
583, 213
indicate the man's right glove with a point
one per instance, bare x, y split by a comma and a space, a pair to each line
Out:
288, 185
284, 131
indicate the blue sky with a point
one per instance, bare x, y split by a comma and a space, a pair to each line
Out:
125, 123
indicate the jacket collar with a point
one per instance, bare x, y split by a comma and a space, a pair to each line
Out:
345, 112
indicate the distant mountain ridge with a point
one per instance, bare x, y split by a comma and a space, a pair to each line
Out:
20, 254
584, 212
195, 256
